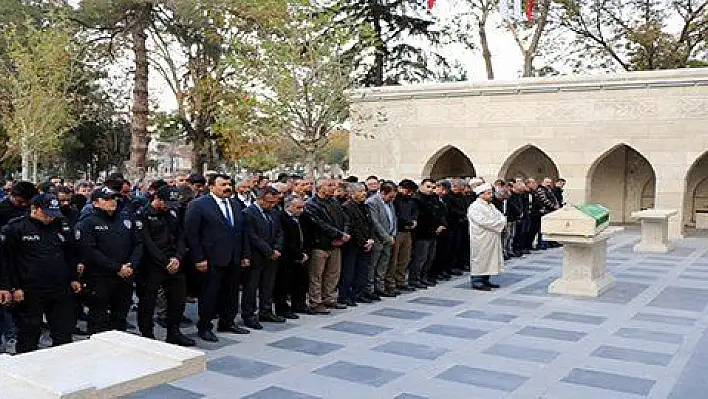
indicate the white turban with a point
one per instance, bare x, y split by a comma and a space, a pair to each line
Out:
482, 188
475, 181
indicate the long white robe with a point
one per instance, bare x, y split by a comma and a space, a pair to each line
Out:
486, 250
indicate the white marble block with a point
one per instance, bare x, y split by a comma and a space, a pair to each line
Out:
584, 269
109, 365
655, 230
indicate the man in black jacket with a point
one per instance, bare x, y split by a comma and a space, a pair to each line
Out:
407, 219
111, 248
293, 278
40, 269
356, 254
431, 222
266, 241
15, 205
329, 226
161, 266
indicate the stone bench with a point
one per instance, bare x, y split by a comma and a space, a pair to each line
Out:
108, 365
655, 230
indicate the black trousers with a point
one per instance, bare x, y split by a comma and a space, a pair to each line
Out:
534, 229
259, 280
443, 254
109, 302
59, 309
460, 246
175, 288
219, 296
291, 283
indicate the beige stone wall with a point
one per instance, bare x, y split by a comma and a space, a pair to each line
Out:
401, 131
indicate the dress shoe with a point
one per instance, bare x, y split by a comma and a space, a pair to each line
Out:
362, 299
507, 257
208, 336
420, 286
303, 309
490, 285
271, 318
148, 335
406, 288
177, 338
320, 310
429, 282
395, 292
289, 315
480, 287
253, 324
79, 331
525, 251
351, 302
373, 296
232, 329
385, 294
456, 272
335, 305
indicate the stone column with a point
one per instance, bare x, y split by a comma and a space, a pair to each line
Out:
670, 194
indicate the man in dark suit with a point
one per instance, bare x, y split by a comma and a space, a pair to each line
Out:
266, 240
292, 279
218, 245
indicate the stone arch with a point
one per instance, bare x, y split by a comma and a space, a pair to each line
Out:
448, 161
623, 180
696, 196
529, 161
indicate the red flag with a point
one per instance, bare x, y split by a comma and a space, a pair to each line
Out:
431, 3
529, 9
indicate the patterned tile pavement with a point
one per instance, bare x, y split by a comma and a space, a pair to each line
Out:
645, 338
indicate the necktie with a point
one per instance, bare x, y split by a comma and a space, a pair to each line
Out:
228, 213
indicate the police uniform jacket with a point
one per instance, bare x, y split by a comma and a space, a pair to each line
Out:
106, 242
37, 257
162, 237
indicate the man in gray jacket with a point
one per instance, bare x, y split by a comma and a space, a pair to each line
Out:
383, 217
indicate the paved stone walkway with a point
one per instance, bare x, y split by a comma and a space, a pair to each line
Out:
645, 338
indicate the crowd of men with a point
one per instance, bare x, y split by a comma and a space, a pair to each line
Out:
270, 251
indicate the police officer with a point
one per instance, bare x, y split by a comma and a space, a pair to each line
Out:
110, 246
40, 267
163, 251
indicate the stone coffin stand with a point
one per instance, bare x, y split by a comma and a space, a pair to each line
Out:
655, 230
584, 268
109, 365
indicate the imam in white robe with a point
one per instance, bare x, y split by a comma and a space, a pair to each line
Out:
486, 250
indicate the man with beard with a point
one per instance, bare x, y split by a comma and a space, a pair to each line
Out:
111, 248
407, 220
161, 265
198, 184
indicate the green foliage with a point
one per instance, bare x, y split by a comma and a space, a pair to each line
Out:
37, 100
297, 80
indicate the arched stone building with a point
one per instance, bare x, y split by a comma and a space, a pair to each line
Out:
629, 141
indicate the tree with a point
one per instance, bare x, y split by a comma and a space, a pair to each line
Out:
634, 34
298, 79
528, 33
472, 16
37, 81
398, 41
194, 41
116, 20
